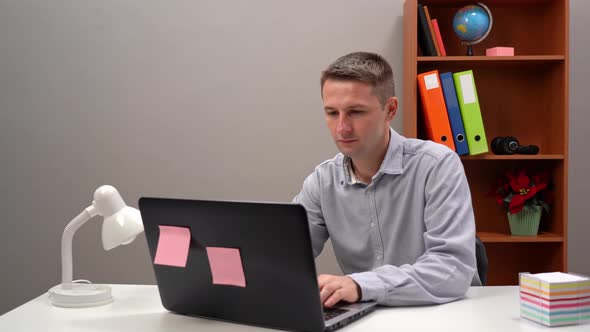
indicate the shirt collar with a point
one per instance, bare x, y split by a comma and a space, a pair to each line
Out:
349, 172
392, 163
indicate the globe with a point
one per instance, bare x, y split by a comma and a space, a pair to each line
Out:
472, 24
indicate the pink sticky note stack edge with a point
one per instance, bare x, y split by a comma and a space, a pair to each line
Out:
226, 266
500, 51
173, 245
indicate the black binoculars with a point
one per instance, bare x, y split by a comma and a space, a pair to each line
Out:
510, 145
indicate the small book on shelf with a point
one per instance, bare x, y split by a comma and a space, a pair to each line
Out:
438, 36
424, 37
431, 30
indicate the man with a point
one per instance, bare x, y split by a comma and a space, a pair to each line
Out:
398, 210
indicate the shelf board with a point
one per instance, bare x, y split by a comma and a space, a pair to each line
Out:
490, 3
517, 59
488, 237
489, 156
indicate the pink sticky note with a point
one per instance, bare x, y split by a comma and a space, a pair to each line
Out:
500, 51
226, 266
173, 246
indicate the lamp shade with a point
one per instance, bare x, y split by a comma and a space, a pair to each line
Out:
121, 223
121, 227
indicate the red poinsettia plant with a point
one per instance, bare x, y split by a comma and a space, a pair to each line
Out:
523, 189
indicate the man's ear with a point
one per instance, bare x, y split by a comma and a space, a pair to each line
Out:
391, 107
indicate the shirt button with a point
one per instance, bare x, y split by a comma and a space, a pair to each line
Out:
372, 224
378, 257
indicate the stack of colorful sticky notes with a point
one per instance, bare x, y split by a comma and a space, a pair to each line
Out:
555, 298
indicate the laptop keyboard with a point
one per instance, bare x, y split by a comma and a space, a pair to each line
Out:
330, 313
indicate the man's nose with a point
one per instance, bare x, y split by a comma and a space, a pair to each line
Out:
343, 124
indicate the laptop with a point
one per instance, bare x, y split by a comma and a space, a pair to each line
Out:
276, 285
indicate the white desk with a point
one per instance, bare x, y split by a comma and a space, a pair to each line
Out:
138, 308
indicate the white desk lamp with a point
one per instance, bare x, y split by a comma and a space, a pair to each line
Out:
121, 225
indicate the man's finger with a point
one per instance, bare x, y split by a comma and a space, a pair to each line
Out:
334, 298
327, 290
323, 279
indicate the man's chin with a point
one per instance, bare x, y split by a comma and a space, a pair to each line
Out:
350, 153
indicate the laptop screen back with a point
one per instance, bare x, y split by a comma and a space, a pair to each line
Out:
278, 287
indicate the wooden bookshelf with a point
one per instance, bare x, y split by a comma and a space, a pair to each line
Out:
525, 96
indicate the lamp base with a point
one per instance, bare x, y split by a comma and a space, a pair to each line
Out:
80, 295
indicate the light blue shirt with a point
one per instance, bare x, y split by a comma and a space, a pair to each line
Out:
408, 237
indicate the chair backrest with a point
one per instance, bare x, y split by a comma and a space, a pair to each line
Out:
482, 260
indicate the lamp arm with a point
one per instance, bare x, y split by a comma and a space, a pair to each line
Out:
66, 244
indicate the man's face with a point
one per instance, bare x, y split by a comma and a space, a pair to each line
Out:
358, 123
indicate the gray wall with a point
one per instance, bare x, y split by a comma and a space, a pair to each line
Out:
579, 162
195, 99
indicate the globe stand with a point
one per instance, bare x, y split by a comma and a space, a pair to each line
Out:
470, 47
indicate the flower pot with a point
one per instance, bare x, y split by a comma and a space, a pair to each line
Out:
526, 222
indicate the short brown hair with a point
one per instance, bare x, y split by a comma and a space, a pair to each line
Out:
364, 67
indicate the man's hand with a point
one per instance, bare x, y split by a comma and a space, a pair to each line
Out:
334, 289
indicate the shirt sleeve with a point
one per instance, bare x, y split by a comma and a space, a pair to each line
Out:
309, 197
445, 271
